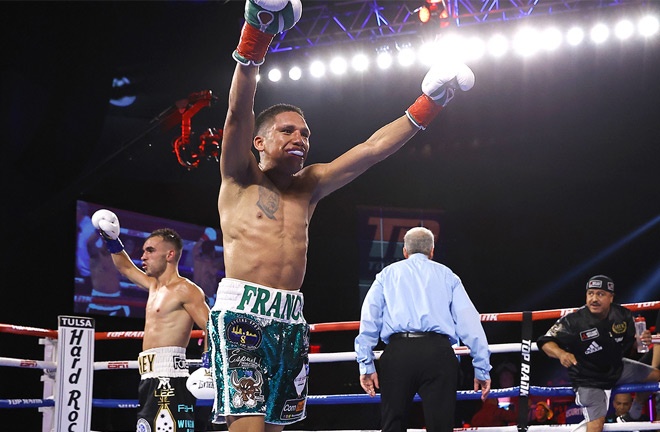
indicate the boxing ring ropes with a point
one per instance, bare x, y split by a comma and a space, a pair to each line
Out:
76, 329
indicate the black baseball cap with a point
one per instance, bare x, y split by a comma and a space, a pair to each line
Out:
601, 282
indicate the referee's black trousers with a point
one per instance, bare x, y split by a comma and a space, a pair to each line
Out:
425, 365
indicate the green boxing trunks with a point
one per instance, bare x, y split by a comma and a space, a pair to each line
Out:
259, 344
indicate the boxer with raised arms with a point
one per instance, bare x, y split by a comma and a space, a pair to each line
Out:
174, 305
258, 336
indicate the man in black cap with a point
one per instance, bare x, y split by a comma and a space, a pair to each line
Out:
592, 343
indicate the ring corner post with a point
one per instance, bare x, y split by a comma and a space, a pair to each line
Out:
48, 380
525, 371
74, 375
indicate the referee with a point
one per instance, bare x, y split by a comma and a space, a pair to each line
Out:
419, 308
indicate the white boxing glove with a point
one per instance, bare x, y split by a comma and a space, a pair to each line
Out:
438, 88
443, 79
107, 224
271, 5
200, 384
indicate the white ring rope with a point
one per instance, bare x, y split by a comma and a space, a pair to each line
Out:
313, 358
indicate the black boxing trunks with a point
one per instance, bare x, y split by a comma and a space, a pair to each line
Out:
165, 402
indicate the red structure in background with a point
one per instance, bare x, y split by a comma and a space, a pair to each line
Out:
189, 154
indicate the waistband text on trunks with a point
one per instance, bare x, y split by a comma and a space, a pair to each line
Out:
269, 303
163, 362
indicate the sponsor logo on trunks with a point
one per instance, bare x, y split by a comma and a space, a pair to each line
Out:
243, 359
300, 381
146, 363
247, 389
589, 334
292, 409
185, 425
261, 301
164, 420
593, 348
143, 426
184, 408
306, 340
619, 328
164, 391
179, 362
244, 332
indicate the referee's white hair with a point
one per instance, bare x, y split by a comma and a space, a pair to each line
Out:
419, 240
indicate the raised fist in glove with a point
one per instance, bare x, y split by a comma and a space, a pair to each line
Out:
263, 20
209, 235
438, 88
107, 224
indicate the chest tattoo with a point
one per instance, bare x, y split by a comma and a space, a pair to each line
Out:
269, 201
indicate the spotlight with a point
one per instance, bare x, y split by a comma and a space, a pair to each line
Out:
295, 73
599, 33
275, 75
424, 14
406, 55
384, 60
648, 26
498, 45
474, 48
317, 69
526, 42
338, 66
433, 8
551, 39
429, 53
575, 36
624, 29
360, 62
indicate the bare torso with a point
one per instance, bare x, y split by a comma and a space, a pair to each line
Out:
265, 232
103, 274
166, 323
205, 274
266, 204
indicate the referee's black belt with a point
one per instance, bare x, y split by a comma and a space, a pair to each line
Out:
415, 335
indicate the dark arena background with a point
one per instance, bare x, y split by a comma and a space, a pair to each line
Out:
545, 173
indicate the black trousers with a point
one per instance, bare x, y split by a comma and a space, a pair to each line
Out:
424, 365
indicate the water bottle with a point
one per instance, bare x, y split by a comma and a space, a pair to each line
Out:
640, 326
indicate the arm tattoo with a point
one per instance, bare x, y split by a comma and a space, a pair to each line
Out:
269, 201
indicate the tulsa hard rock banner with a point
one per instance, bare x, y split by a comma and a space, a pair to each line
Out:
75, 370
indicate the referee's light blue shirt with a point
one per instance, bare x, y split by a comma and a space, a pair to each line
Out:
418, 294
